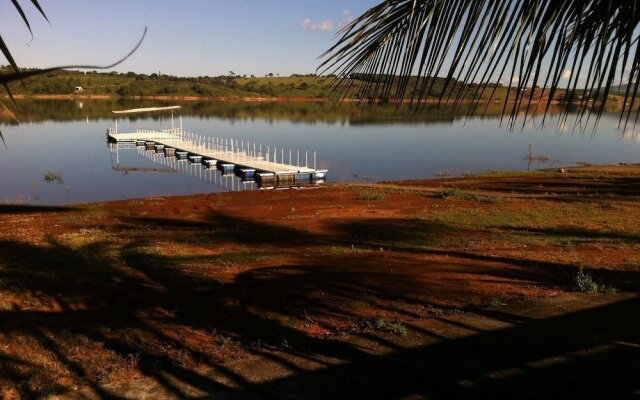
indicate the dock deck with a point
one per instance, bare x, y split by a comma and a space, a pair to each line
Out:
265, 164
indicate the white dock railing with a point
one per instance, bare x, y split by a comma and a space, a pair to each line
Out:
239, 150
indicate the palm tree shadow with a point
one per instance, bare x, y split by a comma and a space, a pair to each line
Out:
142, 310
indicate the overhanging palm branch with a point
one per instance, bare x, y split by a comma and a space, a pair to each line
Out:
582, 47
6, 78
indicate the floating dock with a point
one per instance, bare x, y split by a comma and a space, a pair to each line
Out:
270, 167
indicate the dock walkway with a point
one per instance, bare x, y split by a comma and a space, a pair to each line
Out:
248, 159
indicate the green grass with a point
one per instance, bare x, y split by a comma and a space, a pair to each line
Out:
449, 192
455, 193
382, 325
371, 195
344, 250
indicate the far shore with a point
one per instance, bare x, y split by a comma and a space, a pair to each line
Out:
257, 99
541, 104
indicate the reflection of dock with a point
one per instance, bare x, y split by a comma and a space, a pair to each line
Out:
271, 167
195, 170
173, 165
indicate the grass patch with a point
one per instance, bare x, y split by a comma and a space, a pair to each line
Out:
340, 250
449, 192
84, 236
370, 195
382, 325
446, 193
242, 258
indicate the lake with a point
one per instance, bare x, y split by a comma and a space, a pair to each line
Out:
58, 152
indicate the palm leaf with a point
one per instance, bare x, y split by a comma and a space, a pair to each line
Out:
581, 47
5, 79
19, 75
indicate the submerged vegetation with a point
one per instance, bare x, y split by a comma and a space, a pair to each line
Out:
51, 176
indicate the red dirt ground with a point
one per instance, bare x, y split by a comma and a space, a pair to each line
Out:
187, 291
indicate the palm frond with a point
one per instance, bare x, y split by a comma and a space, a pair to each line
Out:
18, 75
6, 78
581, 47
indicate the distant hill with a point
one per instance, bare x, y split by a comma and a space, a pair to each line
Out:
622, 89
130, 84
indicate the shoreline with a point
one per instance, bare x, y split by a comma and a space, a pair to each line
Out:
602, 169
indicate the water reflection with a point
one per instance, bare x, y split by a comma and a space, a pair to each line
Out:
42, 110
172, 165
355, 143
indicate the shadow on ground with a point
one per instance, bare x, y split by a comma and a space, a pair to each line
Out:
113, 309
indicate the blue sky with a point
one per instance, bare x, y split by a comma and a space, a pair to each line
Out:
186, 38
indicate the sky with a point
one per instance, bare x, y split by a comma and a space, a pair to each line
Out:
185, 38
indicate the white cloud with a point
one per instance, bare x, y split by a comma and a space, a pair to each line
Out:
327, 25
514, 81
348, 17
308, 25
566, 74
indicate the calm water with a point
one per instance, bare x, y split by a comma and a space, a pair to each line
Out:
68, 138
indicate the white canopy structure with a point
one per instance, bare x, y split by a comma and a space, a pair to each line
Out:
114, 128
148, 109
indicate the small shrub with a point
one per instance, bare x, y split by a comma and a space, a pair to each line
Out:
585, 282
